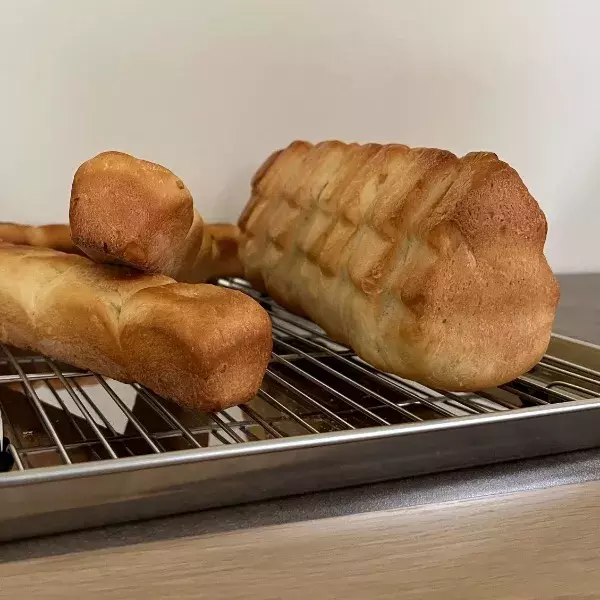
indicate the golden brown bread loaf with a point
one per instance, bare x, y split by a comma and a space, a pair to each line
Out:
201, 345
44, 236
428, 265
134, 212
217, 256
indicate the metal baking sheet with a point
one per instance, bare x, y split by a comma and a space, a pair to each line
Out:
90, 452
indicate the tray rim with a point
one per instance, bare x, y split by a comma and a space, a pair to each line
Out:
301, 442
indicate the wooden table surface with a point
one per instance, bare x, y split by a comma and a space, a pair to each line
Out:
536, 545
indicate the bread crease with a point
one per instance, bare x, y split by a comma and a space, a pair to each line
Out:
428, 265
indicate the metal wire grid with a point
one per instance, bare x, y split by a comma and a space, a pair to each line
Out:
54, 414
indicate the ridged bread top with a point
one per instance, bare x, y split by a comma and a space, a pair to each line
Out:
430, 266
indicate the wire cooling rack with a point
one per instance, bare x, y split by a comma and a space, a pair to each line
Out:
56, 415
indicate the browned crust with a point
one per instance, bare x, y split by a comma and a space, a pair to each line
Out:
133, 212
130, 211
203, 346
430, 266
218, 255
54, 236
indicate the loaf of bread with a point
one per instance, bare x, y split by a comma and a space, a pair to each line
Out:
44, 236
203, 346
217, 257
428, 265
134, 212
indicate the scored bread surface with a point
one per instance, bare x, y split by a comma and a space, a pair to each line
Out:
429, 265
57, 236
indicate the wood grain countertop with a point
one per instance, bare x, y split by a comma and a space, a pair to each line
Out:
536, 545
540, 544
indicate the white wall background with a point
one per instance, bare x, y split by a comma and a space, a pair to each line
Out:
210, 88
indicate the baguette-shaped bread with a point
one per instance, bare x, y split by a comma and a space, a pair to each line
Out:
217, 256
44, 236
428, 265
203, 346
134, 212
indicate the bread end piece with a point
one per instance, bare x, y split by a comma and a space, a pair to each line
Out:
484, 310
129, 211
220, 357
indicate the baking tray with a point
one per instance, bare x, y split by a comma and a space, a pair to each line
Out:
89, 451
